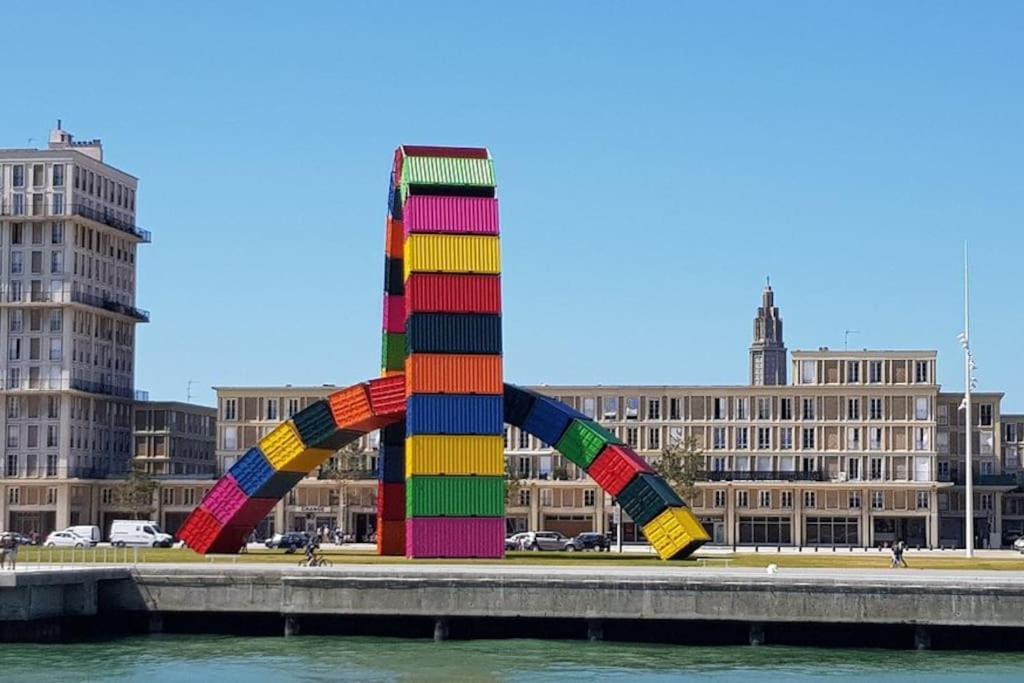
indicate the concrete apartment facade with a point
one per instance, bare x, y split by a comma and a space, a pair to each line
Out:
174, 439
68, 247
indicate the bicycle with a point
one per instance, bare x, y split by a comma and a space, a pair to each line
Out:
315, 560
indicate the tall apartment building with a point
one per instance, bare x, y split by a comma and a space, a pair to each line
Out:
68, 244
174, 439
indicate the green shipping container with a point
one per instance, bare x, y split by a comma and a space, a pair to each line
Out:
393, 351
449, 496
583, 441
446, 171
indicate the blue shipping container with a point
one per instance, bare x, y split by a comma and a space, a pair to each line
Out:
391, 464
548, 419
646, 497
517, 404
453, 333
454, 414
258, 479
393, 435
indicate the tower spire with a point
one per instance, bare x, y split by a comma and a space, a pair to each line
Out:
768, 351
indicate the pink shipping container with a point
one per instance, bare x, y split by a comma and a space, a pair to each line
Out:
394, 313
455, 537
224, 499
461, 215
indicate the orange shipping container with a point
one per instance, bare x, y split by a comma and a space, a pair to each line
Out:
390, 537
444, 373
351, 409
395, 242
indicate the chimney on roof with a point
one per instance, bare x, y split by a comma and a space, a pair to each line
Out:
61, 139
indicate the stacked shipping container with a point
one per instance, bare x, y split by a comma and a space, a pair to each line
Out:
454, 460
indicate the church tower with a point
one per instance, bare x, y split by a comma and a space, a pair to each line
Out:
768, 352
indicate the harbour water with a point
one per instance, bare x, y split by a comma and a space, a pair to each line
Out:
194, 658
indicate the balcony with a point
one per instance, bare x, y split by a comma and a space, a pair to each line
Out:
139, 314
981, 479
771, 475
13, 295
88, 473
106, 217
327, 473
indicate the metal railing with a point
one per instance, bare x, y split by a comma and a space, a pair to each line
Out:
110, 305
981, 479
107, 217
772, 475
66, 295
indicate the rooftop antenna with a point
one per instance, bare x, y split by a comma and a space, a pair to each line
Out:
846, 338
188, 390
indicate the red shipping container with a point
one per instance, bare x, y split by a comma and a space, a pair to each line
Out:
387, 398
433, 151
455, 537
452, 215
199, 530
615, 466
229, 541
450, 293
394, 313
391, 501
252, 512
390, 537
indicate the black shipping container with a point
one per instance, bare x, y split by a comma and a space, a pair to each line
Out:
453, 333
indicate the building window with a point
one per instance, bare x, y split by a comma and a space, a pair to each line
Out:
786, 499
853, 438
832, 531
921, 408
1010, 432
807, 371
875, 468
654, 409
524, 440
764, 408
808, 409
58, 175
631, 437
230, 438
588, 497
718, 464
675, 436
985, 501
764, 499
718, 438
106, 496
271, 408
921, 371
524, 497
808, 438
674, 413
719, 409
610, 408
809, 499
590, 407
12, 465
922, 500
13, 436
786, 409
764, 438
875, 409
986, 414
167, 496
986, 441
654, 438
875, 371
18, 175
741, 408
853, 409
293, 406
921, 438
741, 499
875, 438
14, 495
877, 500
230, 409
719, 498
765, 530
741, 438
632, 408
189, 496
853, 502
786, 438
17, 262
853, 371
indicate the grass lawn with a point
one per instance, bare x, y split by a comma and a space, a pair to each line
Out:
839, 560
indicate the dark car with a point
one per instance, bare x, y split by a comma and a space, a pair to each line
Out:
20, 539
289, 541
588, 541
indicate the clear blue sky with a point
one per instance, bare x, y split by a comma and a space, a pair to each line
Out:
654, 165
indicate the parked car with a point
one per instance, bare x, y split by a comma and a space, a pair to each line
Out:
589, 540
1018, 545
65, 539
91, 534
515, 541
543, 540
289, 541
20, 539
125, 532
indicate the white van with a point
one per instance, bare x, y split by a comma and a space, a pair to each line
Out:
138, 532
90, 534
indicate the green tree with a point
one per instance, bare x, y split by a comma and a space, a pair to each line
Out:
513, 484
682, 465
135, 494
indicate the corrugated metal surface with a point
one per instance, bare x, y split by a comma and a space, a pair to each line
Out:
200, 530
394, 242
279, 484
548, 419
518, 403
391, 501
459, 215
452, 496
675, 533
253, 511
451, 254
387, 397
447, 171
446, 293
615, 467
439, 414
442, 373
455, 455
454, 537
394, 314
394, 275
224, 499
317, 428
282, 446
251, 471
229, 540
583, 440
351, 410
646, 497
435, 151
390, 537
453, 333
393, 352
391, 464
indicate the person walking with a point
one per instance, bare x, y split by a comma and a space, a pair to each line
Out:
9, 546
900, 549
5, 539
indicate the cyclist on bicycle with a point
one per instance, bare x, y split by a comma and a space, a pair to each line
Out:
311, 548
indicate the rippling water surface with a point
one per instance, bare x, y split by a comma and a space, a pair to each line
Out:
201, 658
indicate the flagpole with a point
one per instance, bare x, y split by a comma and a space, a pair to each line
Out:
968, 380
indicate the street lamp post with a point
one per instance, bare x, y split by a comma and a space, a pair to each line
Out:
969, 367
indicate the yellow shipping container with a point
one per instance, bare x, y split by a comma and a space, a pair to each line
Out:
455, 455
675, 533
426, 253
286, 452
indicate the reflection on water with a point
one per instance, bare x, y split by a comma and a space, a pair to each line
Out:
200, 658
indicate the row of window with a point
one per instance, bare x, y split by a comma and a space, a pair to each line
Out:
30, 465
808, 438
38, 174
14, 494
104, 188
808, 371
766, 499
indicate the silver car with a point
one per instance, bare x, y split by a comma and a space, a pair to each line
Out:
543, 540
